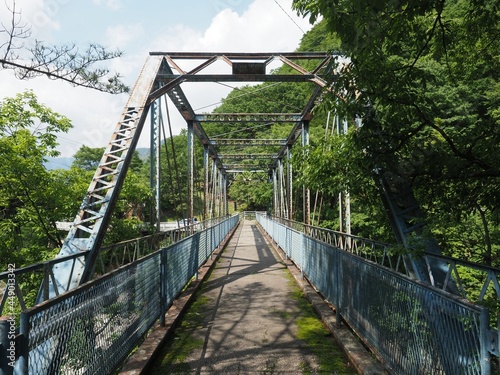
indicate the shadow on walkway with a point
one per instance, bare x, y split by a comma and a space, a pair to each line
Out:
248, 322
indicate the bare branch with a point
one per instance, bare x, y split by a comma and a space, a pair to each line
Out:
15, 30
64, 62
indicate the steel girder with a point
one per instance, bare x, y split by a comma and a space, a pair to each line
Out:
156, 79
247, 142
248, 156
248, 117
92, 220
247, 167
244, 170
171, 85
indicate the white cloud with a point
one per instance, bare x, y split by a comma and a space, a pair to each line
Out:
121, 36
263, 27
113, 5
40, 16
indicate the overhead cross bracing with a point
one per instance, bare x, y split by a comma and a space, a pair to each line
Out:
249, 142
164, 74
240, 67
248, 117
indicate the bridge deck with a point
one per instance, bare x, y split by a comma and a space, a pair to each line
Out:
248, 321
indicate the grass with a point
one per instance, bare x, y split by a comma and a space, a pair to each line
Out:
182, 342
318, 339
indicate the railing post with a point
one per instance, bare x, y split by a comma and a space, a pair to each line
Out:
24, 344
163, 286
46, 278
196, 249
485, 343
338, 287
302, 251
7, 346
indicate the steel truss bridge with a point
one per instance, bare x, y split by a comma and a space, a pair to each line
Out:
88, 288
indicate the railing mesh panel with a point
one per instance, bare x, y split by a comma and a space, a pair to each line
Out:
417, 329
181, 265
93, 328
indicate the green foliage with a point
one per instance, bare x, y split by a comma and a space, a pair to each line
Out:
87, 158
335, 166
30, 200
33, 199
251, 192
424, 77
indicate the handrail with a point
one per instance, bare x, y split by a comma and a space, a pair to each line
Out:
109, 257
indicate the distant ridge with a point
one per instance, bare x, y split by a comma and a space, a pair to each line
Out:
58, 163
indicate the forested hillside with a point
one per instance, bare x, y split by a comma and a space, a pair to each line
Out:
424, 78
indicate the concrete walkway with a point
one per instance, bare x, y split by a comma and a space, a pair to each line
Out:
249, 320
251, 312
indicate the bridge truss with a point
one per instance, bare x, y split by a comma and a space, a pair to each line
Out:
163, 75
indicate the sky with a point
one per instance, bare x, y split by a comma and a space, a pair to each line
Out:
136, 28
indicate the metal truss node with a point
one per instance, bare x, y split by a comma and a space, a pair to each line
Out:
163, 75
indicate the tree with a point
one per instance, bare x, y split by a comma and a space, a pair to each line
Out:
30, 202
87, 158
135, 195
425, 78
31, 58
251, 191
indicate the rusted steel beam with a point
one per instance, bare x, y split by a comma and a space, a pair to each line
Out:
248, 117
247, 142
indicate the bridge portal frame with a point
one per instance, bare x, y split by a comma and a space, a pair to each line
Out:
162, 75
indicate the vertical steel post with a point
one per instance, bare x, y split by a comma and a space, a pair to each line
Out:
213, 186
275, 194
344, 198
336, 121
220, 194
290, 182
215, 192
485, 343
206, 160
152, 152
307, 192
224, 189
190, 151
278, 190
6, 367
281, 178
154, 161
24, 330
347, 197
158, 164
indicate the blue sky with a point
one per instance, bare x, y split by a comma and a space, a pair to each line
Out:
138, 27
